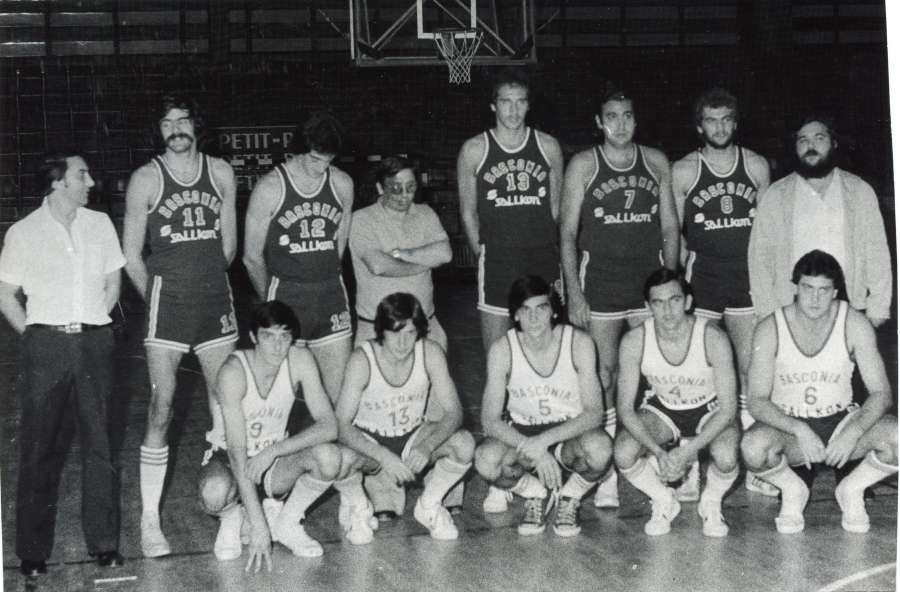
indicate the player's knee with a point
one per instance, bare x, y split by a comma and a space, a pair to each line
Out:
887, 441
327, 459
625, 450
216, 492
350, 461
488, 460
726, 459
755, 450
598, 450
462, 447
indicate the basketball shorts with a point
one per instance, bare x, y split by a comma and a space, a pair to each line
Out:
263, 488
180, 318
683, 422
720, 286
826, 428
614, 288
399, 445
529, 431
321, 307
498, 270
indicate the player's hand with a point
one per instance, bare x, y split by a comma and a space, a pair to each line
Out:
678, 462
579, 311
668, 471
841, 447
531, 450
396, 469
256, 466
417, 459
548, 471
259, 548
810, 445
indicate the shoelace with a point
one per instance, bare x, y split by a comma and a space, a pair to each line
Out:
567, 512
552, 501
533, 511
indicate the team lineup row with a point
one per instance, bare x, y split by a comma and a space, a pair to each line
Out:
608, 220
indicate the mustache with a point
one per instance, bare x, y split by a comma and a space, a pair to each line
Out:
811, 152
177, 136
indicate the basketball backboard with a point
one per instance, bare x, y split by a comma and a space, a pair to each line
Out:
402, 32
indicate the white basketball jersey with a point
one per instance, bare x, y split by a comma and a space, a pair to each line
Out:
535, 399
816, 385
686, 385
267, 417
391, 410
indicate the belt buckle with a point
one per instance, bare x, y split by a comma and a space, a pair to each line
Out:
72, 328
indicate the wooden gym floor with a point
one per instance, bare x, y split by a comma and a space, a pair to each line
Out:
611, 553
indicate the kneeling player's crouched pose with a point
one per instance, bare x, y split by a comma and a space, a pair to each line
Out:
247, 476
381, 418
800, 395
555, 402
688, 364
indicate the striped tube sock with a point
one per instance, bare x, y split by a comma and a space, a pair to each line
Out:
154, 463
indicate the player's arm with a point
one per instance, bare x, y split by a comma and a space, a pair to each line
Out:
223, 175
758, 169
263, 201
668, 216
466, 164
443, 391
492, 402
863, 347
11, 306
628, 383
554, 154
720, 357
142, 189
683, 173
343, 186
574, 186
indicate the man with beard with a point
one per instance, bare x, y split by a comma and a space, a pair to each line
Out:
183, 203
716, 189
820, 206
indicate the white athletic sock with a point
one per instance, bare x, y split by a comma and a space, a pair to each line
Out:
444, 475
609, 422
794, 491
307, 489
870, 471
154, 462
351, 489
576, 487
718, 483
529, 486
644, 477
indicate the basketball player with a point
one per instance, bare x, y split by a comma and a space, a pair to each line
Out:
688, 363
509, 179
183, 202
617, 216
546, 370
297, 225
716, 189
382, 418
256, 464
800, 395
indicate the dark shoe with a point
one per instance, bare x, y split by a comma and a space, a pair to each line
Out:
110, 559
386, 516
32, 569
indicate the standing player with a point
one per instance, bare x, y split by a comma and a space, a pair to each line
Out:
183, 202
803, 358
547, 372
298, 221
716, 190
693, 396
382, 418
618, 213
509, 179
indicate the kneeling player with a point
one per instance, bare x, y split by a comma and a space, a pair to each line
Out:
548, 370
381, 418
800, 395
688, 364
257, 388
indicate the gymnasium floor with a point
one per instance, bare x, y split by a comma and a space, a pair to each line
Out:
612, 553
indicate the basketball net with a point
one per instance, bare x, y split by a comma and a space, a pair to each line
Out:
458, 52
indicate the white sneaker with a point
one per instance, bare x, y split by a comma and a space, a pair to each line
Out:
228, 539
713, 522
357, 522
689, 490
271, 510
497, 500
345, 515
756, 485
153, 541
533, 521
607, 495
437, 520
790, 516
854, 517
294, 537
664, 511
567, 523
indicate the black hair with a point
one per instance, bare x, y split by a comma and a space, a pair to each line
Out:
390, 166
715, 98
321, 132
662, 276
54, 166
818, 263
395, 310
529, 286
510, 76
185, 103
274, 313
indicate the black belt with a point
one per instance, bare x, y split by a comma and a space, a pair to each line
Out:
69, 328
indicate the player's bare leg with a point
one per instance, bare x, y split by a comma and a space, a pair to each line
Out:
606, 335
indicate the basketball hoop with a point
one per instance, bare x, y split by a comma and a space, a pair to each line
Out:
458, 47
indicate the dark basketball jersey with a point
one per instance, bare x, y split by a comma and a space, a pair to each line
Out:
719, 210
620, 211
513, 188
301, 244
184, 228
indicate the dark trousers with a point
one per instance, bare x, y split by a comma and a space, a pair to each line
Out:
65, 378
